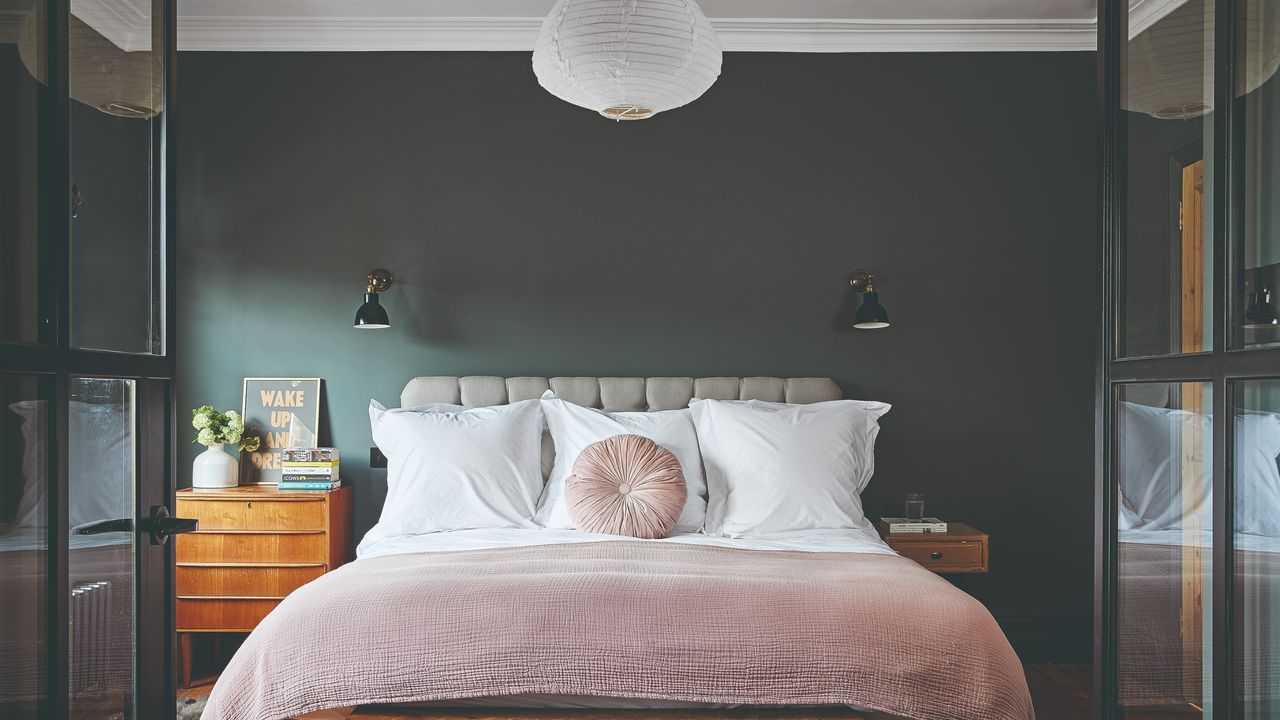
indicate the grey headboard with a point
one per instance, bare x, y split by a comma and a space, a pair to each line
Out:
616, 394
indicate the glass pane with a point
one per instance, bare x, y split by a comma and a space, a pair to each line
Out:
101, 467
1164, 575
1258, 244
18, 209
24, 544
1166, 254
116, 86
1257, 548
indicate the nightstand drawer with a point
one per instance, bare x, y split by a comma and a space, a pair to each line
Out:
222, 614
255, 514
252, 547
244, 580
943, 555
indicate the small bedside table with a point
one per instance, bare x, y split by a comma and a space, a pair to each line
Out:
254, 546
959, 550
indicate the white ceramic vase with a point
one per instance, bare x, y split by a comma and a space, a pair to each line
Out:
215, 468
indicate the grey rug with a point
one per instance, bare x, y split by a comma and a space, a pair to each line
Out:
191, 708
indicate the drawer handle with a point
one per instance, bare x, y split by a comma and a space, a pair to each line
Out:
249, 505
935, 555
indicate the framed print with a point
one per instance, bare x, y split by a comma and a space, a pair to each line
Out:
284, 412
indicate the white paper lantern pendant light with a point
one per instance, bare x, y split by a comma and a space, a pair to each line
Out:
627, 59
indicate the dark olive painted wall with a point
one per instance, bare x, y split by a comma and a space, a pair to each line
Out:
530, 237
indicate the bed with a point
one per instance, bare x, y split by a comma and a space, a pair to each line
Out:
507, 618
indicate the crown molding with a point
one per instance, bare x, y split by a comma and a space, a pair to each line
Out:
11, 25
1145, 13
347, 34
126, 23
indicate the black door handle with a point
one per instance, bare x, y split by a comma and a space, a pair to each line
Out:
160, 525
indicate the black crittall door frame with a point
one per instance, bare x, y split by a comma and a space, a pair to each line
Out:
54, 362
1221, 368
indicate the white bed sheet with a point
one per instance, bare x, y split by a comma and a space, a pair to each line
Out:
855, 540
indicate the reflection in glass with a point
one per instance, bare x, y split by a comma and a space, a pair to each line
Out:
1167, 98
102, 469
1257, 548
116, 75
1258, 252
1164, 574
116, 80
18, 206
24, 545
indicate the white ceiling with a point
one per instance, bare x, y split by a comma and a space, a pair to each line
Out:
743, 25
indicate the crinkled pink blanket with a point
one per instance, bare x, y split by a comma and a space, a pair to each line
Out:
630, 620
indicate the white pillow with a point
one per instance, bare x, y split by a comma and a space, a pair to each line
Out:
574, 427
450, 468
777, 467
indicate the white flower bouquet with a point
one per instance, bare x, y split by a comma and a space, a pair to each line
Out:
215, 427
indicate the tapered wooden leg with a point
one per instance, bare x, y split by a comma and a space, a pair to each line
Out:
184, 660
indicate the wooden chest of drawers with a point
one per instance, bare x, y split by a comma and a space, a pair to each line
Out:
253, 547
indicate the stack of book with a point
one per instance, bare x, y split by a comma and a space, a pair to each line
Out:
923, 525
309, 469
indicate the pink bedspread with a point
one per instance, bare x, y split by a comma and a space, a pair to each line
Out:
629, 619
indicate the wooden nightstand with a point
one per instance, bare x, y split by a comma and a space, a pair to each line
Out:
959, 550
254, 546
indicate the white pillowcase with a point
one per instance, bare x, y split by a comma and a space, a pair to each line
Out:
574, 427
777, 467
450, 468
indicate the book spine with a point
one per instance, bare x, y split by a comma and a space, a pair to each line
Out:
292, 470
309, 463
308, 486
287, 478
310, 454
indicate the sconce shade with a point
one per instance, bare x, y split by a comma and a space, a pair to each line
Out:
371, 315
1260, 313
871, 314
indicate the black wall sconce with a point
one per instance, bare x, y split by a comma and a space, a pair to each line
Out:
871, 314
371, 315
1260, 313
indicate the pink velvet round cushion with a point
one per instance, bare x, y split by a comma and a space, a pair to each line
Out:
626, 485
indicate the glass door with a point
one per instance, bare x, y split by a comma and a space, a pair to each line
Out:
86, 403
1188, 396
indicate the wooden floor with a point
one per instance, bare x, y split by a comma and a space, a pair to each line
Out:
1060, 692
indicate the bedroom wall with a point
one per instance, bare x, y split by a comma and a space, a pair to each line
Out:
529, 237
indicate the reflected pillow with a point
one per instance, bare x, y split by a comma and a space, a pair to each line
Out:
1151, 442
1149, 446
1257, 475
100, 468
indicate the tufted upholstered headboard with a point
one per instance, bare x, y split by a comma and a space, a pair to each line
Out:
616, 394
